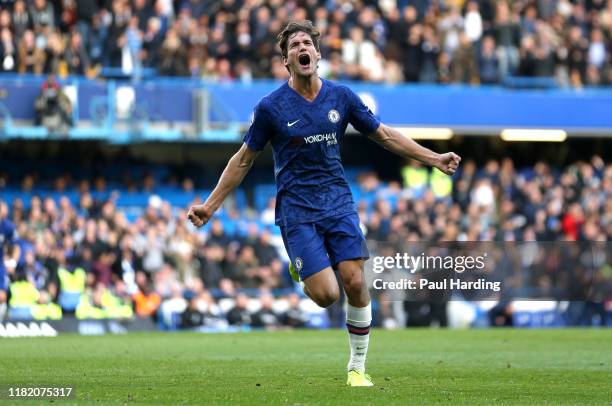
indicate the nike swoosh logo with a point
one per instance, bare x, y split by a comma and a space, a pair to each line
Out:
290, 124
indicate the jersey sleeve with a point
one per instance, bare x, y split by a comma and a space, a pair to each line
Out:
260, 131
361, 117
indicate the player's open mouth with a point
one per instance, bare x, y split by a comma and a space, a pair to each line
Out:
304, 60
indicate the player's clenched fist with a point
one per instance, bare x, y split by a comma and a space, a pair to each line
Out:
448, 162
199, 215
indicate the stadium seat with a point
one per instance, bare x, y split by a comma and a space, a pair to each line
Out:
69, 300
20, 313
263, 194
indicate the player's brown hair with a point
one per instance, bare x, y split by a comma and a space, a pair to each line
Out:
297, 26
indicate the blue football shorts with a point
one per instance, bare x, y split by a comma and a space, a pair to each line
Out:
313, 247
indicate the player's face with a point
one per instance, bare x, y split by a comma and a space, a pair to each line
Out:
302, 56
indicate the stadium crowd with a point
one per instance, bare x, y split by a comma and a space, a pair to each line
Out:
86, 257
444, 41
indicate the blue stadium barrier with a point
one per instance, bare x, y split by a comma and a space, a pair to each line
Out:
537, 314
318, 320
110, 72
537, 319
521, 82
459, 107
481, 317
152, 118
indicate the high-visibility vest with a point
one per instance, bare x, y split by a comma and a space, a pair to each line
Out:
414, 177
50, 311
109, 300
85, 310
441, 183
114, 307
23, 293
121, 311
73, 282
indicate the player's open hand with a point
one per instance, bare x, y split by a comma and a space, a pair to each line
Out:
448, 163
199, 215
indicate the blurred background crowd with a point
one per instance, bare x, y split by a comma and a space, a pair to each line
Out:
77, 252
432, 41
103, 243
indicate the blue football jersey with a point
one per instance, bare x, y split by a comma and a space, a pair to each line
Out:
305, 137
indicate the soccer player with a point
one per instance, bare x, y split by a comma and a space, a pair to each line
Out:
305, 120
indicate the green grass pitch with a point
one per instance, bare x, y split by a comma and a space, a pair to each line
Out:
307, 367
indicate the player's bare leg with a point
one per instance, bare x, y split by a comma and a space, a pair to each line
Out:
353, 280
322, 287
358, 319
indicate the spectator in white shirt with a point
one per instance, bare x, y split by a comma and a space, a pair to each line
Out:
473, 22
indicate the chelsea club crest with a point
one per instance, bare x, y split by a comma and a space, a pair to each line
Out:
333, 116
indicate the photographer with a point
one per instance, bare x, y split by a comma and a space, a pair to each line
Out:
53, 108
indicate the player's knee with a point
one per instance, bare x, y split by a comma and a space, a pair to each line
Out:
326, 298
354, 285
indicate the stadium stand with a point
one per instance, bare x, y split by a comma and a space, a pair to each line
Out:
120, 246
482, 41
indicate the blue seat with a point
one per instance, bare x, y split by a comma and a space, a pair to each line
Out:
20, 313
241, 199
229, 226
263, 194
130, 199
69, 300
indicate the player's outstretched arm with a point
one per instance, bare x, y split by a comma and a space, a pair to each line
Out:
237, 168
392, 140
